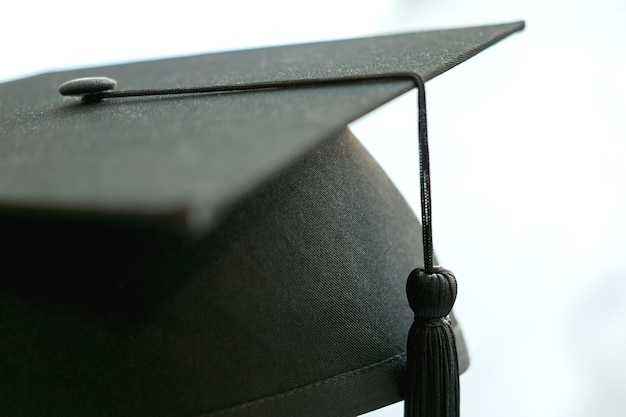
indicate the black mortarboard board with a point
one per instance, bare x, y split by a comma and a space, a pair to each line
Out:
231, 254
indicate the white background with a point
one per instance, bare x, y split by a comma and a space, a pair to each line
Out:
528, 157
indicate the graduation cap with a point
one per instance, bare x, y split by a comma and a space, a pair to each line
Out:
211, 240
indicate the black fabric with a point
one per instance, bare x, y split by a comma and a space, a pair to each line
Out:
218, 254
294, 305
186, 161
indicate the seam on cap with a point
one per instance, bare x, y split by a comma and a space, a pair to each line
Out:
255, 403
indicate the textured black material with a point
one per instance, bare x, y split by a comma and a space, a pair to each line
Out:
432, 362
294, 305
110, 160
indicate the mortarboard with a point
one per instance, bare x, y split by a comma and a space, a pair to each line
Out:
214, 254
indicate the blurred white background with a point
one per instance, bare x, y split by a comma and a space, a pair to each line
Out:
527, 146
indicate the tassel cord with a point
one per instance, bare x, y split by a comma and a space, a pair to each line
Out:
424, 172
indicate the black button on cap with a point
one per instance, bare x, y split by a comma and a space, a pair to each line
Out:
89, 85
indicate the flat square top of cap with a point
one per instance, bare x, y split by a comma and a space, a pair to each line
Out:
184, 160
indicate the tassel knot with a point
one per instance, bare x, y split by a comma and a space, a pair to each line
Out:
432, 364
431, 296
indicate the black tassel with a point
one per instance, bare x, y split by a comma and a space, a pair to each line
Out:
432, 364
